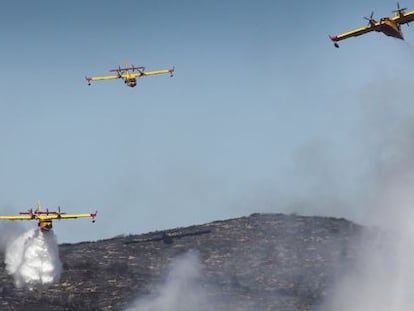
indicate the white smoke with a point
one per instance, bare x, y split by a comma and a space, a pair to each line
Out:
383, 277
182, 290
33, 259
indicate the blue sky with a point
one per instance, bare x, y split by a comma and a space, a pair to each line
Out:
263, 114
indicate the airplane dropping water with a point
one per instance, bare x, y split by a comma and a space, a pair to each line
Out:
45, 218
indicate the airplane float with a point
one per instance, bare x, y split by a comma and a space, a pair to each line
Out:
45, 218
390, 26
130, 74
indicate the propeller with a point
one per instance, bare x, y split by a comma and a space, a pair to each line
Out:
399, 10
370, 19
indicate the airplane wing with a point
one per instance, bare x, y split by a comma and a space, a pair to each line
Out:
158, 72
68, 216
131, 75
21, 217
354, 33
65, 216
404, 18
134, 75
98, 78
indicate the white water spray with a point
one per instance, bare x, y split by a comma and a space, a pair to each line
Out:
33, 259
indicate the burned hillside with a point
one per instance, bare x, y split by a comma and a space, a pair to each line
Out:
260, 262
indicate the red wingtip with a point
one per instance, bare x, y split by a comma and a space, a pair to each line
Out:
172, 71
334, 39
93, 216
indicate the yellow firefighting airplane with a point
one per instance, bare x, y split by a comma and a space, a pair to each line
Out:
389, 26
45, 218
130, 74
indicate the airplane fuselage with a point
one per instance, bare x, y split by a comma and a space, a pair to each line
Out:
131, 82
45, 225
390, 28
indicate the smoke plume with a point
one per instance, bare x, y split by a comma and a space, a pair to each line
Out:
182, 290
382, 278
33, 259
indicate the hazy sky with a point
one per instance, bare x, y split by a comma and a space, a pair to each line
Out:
263, 114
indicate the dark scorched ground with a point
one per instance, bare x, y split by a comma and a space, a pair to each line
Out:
260, 262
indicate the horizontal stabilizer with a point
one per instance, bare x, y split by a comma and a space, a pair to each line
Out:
132, 67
